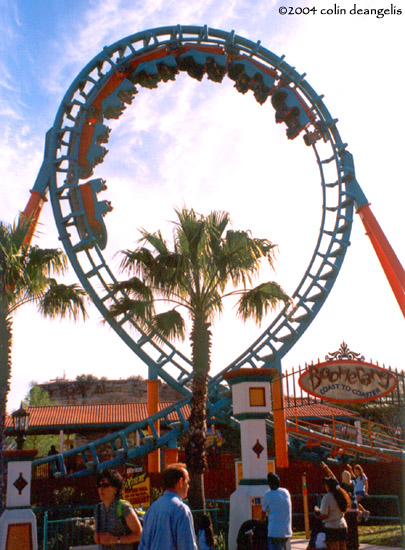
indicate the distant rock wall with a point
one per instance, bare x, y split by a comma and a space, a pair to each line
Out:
88, 390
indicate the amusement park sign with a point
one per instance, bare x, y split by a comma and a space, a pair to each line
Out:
347, 381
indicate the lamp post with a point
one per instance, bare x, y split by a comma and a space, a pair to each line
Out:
20, 419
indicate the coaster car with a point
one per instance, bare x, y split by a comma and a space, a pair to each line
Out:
291, 109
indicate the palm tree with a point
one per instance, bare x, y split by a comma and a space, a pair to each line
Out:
25, 278
206, 260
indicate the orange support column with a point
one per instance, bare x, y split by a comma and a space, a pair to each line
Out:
389, 261
280, 429
153, 407
171, 456
31, 214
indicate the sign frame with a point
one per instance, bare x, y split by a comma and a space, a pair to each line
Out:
349, 374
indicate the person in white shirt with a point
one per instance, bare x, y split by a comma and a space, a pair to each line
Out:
332, 511
276, 506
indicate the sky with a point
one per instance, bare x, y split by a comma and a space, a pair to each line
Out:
207, 147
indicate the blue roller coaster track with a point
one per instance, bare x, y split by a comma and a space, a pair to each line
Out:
75, 145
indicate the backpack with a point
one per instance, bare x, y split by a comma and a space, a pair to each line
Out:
121, 516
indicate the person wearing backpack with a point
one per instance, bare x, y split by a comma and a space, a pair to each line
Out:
117, 524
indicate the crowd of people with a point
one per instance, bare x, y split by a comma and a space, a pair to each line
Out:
169, 524
335, 522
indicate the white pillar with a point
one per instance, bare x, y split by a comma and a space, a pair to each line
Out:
18, 526
252, 434
251, 406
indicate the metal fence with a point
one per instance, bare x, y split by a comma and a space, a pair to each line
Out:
220, 519
64, 534
75, 531
61, 526
384, 509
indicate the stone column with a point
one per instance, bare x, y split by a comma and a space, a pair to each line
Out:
251, 406
18, 525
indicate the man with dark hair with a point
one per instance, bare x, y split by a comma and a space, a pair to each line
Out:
174, 473
277, 507
168, 524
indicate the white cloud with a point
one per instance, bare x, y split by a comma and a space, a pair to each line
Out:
247, 167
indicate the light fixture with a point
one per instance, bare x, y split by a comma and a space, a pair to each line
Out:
20, 419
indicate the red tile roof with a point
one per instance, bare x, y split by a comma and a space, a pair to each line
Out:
117, 415
303, 409
68, 417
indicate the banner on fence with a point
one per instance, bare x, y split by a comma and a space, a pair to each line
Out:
137, 487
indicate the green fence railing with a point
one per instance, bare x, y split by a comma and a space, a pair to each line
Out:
76, 531
63, 534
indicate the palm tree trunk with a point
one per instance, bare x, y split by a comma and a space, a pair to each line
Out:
197, 432
5, 369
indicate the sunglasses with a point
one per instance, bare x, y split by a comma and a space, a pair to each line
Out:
103, 485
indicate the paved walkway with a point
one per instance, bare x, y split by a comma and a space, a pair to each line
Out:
301, 544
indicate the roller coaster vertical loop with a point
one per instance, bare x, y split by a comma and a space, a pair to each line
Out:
103, 90
106, 86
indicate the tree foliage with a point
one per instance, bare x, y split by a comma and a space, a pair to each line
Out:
38, 397
27, 277
206, 262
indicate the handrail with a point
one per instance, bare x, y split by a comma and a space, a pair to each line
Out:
345, 427
311, 431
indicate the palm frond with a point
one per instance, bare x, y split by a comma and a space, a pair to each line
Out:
214, 304
242, 255
169, 324
156, 240
14, 234
206, 257
217, 222
257, 302
135, 287
12, 261
169, 271
139, 310
46, 261
63, 301
189, 233
137, 261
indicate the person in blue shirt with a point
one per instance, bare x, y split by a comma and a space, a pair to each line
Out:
360, 488
168, 524
205, 534
276, 506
